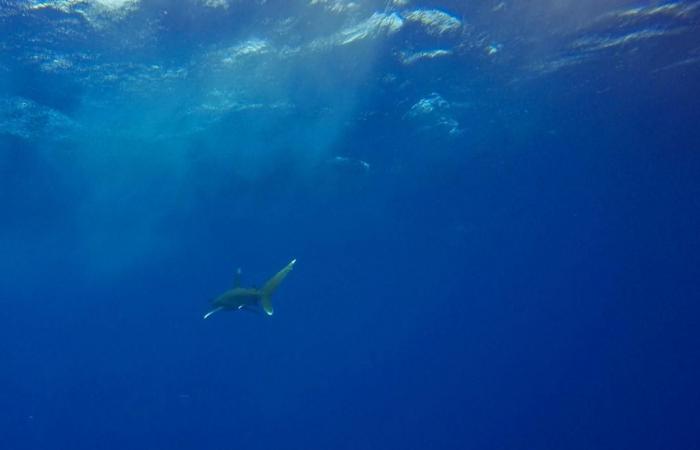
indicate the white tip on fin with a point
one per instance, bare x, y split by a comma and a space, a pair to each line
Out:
266, 303
213, 311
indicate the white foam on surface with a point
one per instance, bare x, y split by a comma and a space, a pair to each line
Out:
409, 58
24, 118
623, 31
96, 12
222, 4
379, 24
595, 43
115, 4
434, 21
336, 6
677, 10
249, 47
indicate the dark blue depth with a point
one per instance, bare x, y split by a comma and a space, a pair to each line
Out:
530, 281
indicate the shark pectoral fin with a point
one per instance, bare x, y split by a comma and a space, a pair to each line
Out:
271, 285
219, 308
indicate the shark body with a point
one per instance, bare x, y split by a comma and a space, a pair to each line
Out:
250, 298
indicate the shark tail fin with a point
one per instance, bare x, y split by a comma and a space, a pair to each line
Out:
271, 285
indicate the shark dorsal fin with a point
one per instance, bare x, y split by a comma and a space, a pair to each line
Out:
237, 278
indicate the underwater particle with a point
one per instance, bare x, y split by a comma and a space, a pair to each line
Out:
492, 49
499, 7
389, 78
56, 64
353, 164
450, 125
428, 105
432, 112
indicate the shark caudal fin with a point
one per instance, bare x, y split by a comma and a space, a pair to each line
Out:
269, 288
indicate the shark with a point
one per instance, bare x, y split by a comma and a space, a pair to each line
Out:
250, 299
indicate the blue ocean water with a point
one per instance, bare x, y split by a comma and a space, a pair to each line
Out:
494, 207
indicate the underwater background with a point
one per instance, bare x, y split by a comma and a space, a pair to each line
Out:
494, 207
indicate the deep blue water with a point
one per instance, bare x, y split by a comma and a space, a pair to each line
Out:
495, 209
